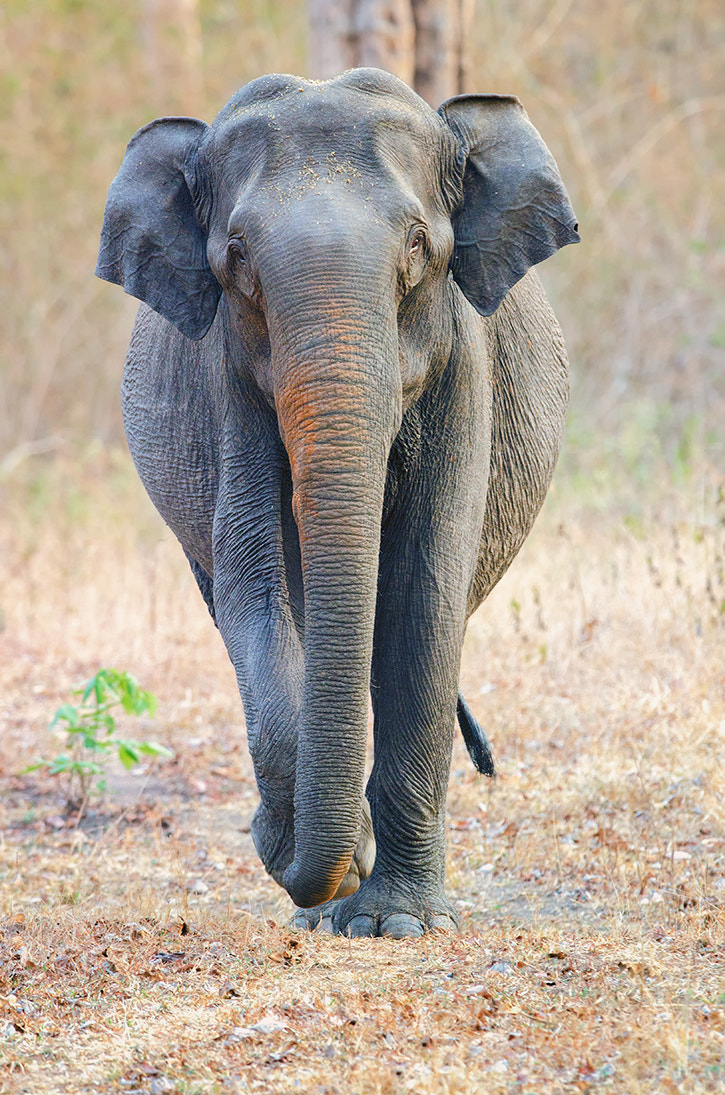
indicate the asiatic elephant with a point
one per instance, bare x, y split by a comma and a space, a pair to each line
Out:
344, 393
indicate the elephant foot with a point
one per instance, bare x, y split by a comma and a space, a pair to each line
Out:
274, 839
373, 911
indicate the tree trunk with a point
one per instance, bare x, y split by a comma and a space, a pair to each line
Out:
442, 28
331, 38
424, 42
385, 36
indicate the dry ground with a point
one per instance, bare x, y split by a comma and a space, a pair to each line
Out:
143, 949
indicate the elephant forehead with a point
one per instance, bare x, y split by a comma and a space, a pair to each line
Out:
358, 91
307, 123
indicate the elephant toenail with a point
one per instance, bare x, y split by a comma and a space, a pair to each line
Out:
441, 924
361, 927
402, 926
306, 920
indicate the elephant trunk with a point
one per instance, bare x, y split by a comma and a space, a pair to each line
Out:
338, 398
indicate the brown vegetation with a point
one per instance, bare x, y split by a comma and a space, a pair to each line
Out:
142, 947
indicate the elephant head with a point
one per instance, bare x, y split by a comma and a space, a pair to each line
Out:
324, 227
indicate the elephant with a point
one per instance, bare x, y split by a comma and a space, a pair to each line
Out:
345, 393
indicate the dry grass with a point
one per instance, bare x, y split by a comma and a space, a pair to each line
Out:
144, 950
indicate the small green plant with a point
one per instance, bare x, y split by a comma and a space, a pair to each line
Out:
91, 737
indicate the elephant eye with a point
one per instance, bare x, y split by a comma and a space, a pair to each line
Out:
417, 243
415, 258
236, 253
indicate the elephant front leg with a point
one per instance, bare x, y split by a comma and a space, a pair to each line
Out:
267, 660
414, 690
415, 674
414, 723
257, 602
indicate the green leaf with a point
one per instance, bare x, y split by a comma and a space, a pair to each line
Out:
59, 764
152, 749
63, 764
90, 741
127, 754
107, 722
104, 687
95, 688
66, 713
34, 767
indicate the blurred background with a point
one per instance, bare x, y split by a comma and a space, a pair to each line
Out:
629, 95
630, 98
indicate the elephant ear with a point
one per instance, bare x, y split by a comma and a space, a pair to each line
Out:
152, 242
515, 209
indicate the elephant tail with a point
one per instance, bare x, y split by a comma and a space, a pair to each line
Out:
477, 743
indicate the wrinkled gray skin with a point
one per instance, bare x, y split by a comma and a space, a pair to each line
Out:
344, 394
